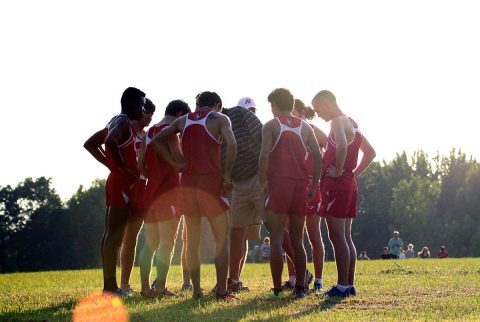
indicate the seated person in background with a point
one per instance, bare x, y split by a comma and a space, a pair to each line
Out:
401, 255
386, 254
363, 256
425, 253
410, 253
443, 253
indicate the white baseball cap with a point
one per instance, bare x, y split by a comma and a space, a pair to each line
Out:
247, 102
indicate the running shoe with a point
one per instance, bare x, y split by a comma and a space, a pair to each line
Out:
129, 290
308, 279
166, 293
335, 292
154, 284
288, 286
352, 291
149, 294
237, 287
118, 292
317, 286
299, 293
187, 287
227, 296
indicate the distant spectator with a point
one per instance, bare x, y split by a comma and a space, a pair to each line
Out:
265, 249
425, 253
363, 256
395, 243
410, 253
387, 254
443, 253
401, 255
257, 258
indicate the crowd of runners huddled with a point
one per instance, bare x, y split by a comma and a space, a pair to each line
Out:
224, 165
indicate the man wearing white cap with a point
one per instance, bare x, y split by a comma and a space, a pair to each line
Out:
246, 207
248, 103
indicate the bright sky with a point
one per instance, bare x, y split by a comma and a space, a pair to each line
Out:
406, 71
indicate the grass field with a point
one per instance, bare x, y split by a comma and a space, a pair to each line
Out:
387, 290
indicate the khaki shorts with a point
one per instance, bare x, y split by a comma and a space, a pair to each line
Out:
247, 205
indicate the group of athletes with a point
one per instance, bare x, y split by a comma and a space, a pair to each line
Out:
223, 164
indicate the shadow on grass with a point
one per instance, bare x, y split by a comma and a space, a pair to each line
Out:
209, 309
61, 312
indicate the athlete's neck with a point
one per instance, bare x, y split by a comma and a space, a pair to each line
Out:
205, 108
168, 119
278, 114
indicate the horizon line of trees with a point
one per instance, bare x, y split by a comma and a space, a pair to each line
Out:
431, 201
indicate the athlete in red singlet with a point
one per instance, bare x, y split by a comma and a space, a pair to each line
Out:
285, 141
135, 220
119, 156
162, 200
339, 186
203, 181
313, 218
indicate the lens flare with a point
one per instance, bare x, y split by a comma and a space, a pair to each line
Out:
100, 307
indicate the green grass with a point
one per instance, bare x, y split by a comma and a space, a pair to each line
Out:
387, 290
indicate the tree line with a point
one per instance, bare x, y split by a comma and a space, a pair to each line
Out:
431, 201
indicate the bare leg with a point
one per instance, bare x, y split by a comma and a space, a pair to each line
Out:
287, 247
152, 240
336, 233
237, 251
297, 225
185, 274
353, 251
127, 253
318, 249
114, 230
275, 226
219, 226
167, 230
194, 231
244, 258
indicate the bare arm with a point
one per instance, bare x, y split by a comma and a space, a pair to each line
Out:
267, 146
166, 132
317, 159
341, 148
320, 136
141, 165
94, 146
231, 147
160, 143
368, 156
119, 131
167, 152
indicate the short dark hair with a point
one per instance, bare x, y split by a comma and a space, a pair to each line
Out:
149, 106
130, 97
282, 98
310, 113
208, 99
177, 108
298, 105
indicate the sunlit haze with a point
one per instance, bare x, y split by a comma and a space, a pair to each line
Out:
406, 71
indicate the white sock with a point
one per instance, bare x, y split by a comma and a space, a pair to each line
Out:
349, 286
318, 281
234, 281
292, 280
342, 288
